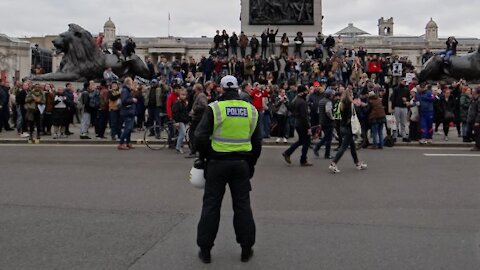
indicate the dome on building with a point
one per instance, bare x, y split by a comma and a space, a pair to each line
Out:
431, 24
109, 24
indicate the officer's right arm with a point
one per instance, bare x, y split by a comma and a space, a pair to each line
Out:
203, 132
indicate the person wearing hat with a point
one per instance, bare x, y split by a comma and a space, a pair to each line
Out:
327, 121
302, 125
229, 139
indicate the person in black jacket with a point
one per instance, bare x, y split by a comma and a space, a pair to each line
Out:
264, 43
180, 116
302, 125
400, 98
254, 46
234, 43
117, 48
327, 121
473, 117
447, 109
271, 39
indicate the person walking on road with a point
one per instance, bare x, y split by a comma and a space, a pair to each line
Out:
346, 108
302, 125
229, 139
327, 122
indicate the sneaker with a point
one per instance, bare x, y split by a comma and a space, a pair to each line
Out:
287, 158
306, 164
180, 151
247, 254
278, 140
122, 147
333, 168
430, 142
24, 135
285, 140
446, 138
361, 166
328, 157
422, 141
191, 155
69, 133
85, 137
205, 256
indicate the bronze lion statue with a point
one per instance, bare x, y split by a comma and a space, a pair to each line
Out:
83, 61
458, 67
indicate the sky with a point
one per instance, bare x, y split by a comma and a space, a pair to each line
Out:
195, 18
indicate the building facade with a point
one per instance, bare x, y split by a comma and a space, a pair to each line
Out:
15, 58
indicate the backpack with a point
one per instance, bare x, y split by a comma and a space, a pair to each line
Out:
94, 100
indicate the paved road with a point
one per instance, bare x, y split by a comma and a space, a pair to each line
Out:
92, 207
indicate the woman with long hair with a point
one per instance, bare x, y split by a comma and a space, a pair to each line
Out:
347, 110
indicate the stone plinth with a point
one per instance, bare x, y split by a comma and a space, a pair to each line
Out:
291, 30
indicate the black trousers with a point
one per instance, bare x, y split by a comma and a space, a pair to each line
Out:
191, 135
237, 175
101, 122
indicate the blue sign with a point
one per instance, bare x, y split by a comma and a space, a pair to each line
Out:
237, 112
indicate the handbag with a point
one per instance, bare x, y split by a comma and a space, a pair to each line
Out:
356, 127
449, 116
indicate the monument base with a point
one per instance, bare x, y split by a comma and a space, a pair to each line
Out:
291, 30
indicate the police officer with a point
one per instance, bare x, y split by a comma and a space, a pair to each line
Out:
229, 139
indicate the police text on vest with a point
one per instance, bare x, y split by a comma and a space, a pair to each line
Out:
237, 112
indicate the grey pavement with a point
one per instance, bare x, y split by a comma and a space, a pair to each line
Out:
12, 137
93, 207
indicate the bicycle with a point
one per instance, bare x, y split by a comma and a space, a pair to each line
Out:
159, 137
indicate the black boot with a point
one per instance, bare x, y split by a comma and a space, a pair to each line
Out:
205, 256
247, 254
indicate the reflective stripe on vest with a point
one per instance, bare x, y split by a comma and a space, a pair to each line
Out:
234, 124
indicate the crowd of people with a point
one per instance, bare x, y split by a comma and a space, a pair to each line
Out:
269, 78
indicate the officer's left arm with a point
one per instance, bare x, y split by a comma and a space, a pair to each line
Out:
203, 132
256, 145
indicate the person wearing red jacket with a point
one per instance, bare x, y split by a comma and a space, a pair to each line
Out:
258, 95
171, 99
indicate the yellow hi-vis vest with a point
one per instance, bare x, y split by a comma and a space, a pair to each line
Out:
234, 124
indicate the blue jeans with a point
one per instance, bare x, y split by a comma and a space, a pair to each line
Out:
304, 140
182, 130
115, 126
326, 140
267, 121
377, 133
347, 140
127, 130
